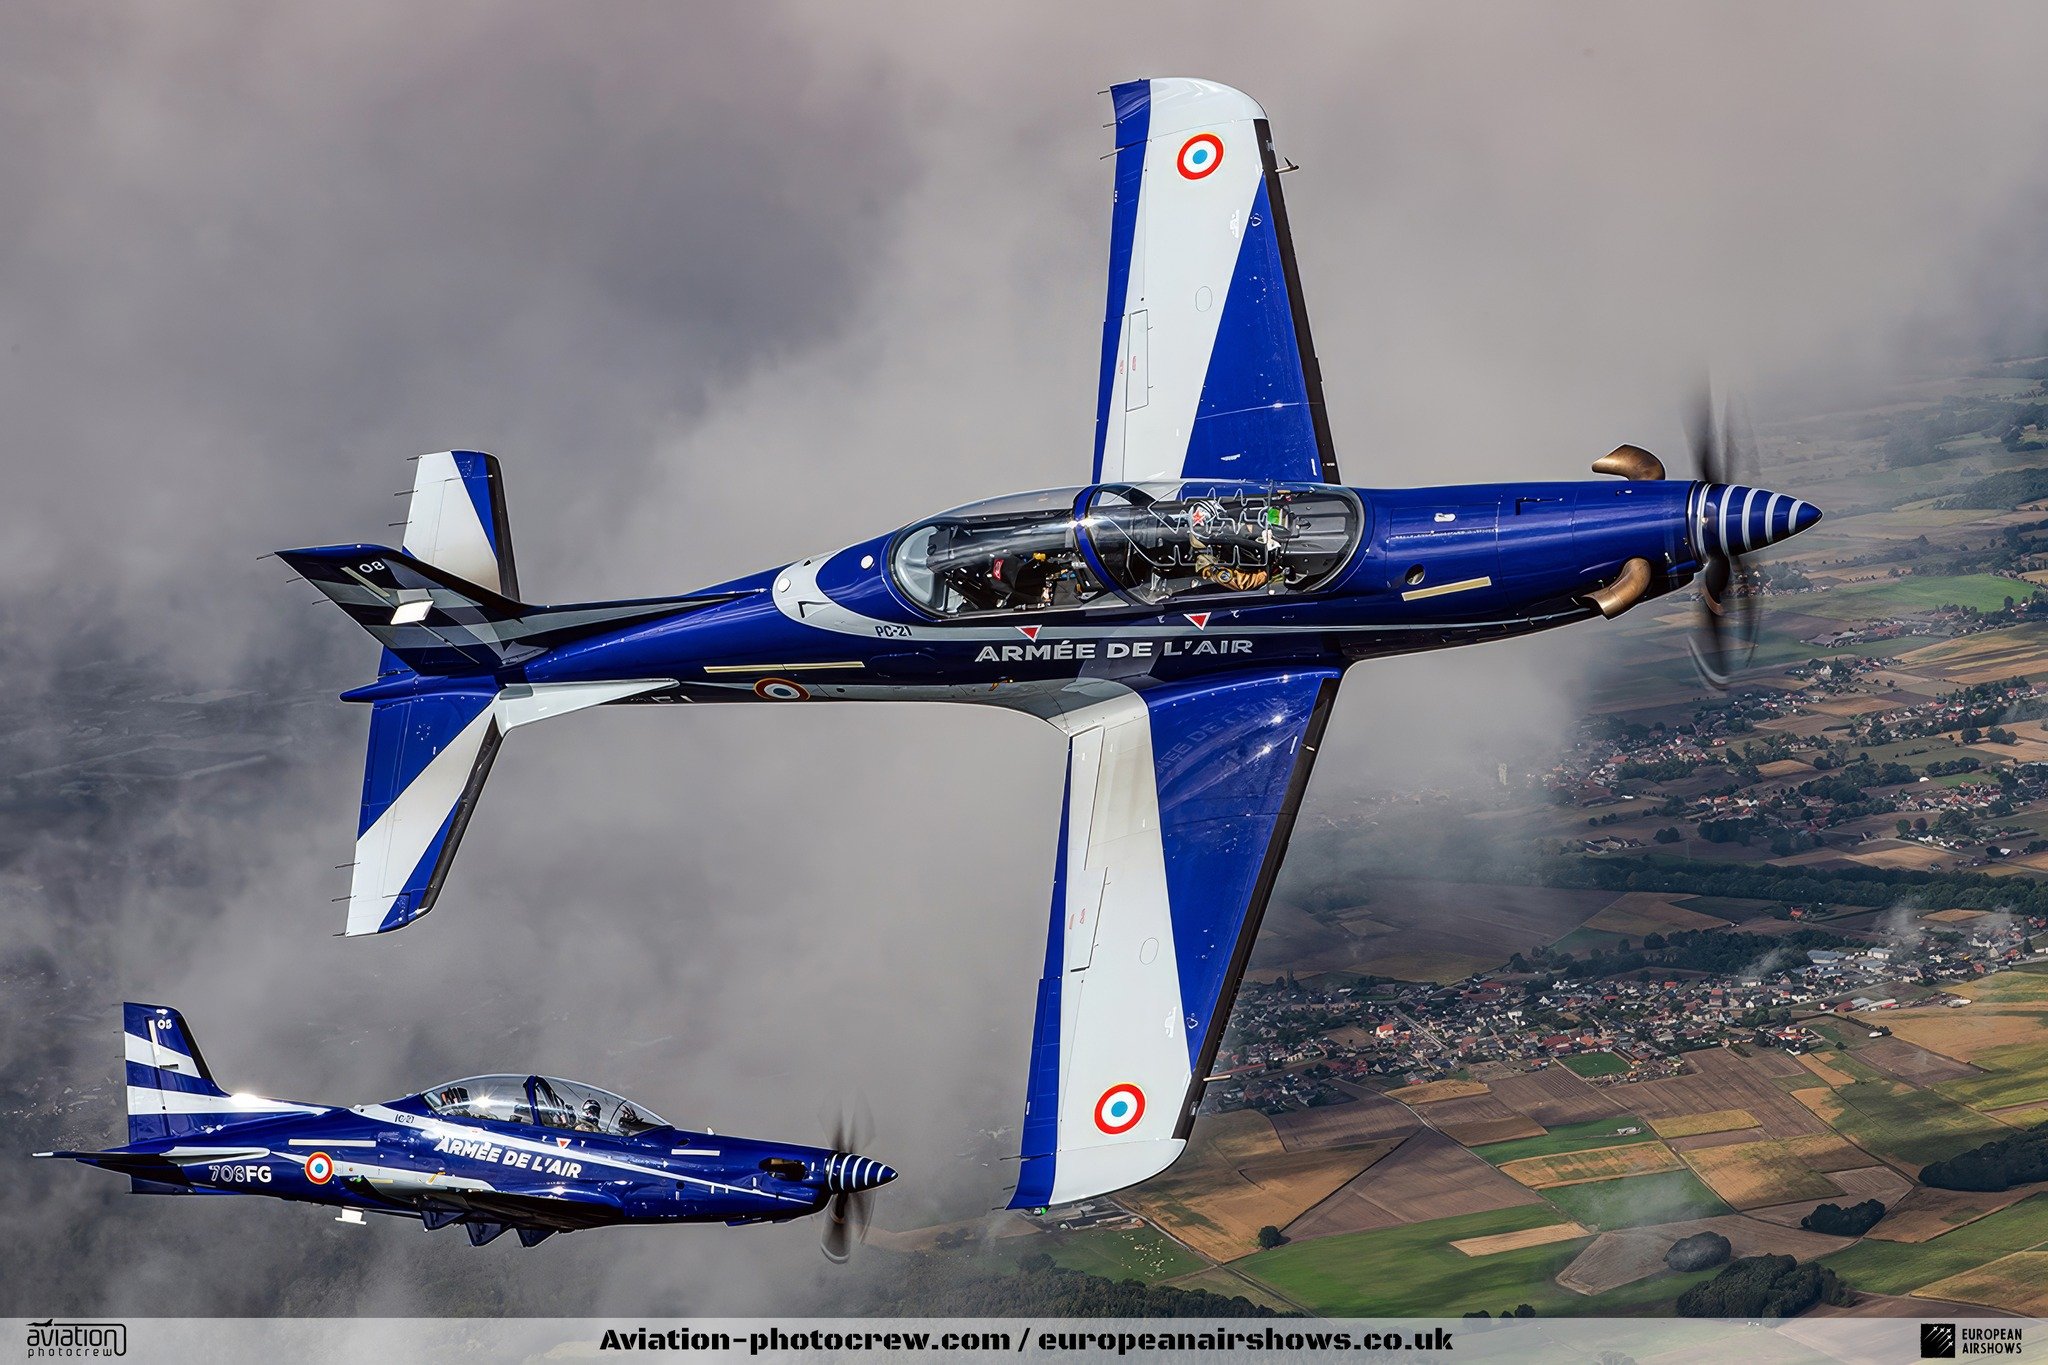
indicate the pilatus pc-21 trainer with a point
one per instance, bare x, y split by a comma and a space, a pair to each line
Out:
528, 1154
1184, 617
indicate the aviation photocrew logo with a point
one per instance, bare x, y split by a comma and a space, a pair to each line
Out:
53, 1340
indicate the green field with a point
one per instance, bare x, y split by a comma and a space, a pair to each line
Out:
1414, 1271
2019, 1073
1217, 1280
1736, 908
1913, 1125
1637, 1200
1139, 1253
1901, 1267
1914, 593
1568, 1137
1583, 939
2019, 985
1595, 1064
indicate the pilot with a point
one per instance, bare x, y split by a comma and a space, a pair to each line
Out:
586, 1118
1261, 526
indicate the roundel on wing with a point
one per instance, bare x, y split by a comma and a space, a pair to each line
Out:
319, 1168
1200, 155
780, 689
1119, 1109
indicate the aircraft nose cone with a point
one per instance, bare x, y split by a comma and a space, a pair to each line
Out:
846, 1173
1734, 518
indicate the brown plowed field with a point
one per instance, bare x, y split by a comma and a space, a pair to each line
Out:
1618, 1258
1722, 1080
1369, 1118
1554, 1096
1428, 1176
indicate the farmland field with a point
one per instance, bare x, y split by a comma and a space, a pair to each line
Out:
1599, 1163
1755, 1174
1554, 1096
1714, 1121
2018, 1074
1973, 1029
1427, 1177
1916, 1126
1139, 1253
1902, 1267
1648, 912
2017, 1283
1236, 1178
1920, 592
1923, 1214
1515, 1241
1431, 1091
1637, 1201
1570, 1137
1414, 1269
1440, 931
1595, 1064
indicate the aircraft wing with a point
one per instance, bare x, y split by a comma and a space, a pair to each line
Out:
1178, 807
564, 1210
1208, 370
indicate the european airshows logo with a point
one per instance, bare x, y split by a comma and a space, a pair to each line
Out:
1947, 1341
53, 1340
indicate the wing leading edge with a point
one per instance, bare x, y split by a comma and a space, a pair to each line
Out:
1178, 806
1208, 369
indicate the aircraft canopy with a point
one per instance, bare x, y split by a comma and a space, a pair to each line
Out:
1128, 544
541, 1101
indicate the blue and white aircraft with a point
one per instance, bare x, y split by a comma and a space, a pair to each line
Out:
1184, 618
534, 1155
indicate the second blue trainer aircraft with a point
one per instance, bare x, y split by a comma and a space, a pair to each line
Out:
528, 1154
1184, 619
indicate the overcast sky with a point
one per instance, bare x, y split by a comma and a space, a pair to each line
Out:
722, 286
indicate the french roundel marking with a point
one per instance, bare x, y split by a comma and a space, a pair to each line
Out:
1200, 155
1119, 1109
780, 689
319, 1168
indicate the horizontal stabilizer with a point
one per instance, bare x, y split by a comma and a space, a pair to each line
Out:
439, 624
428, 757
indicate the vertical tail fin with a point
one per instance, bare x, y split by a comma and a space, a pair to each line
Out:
457, 520
171, 1093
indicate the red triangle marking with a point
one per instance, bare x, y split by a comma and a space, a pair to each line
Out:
1030, 632
1200, 619
561, 1142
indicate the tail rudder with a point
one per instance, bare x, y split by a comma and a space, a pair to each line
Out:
457, 521
171, 1093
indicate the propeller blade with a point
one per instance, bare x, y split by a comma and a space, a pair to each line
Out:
839, 1235
1699, 435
